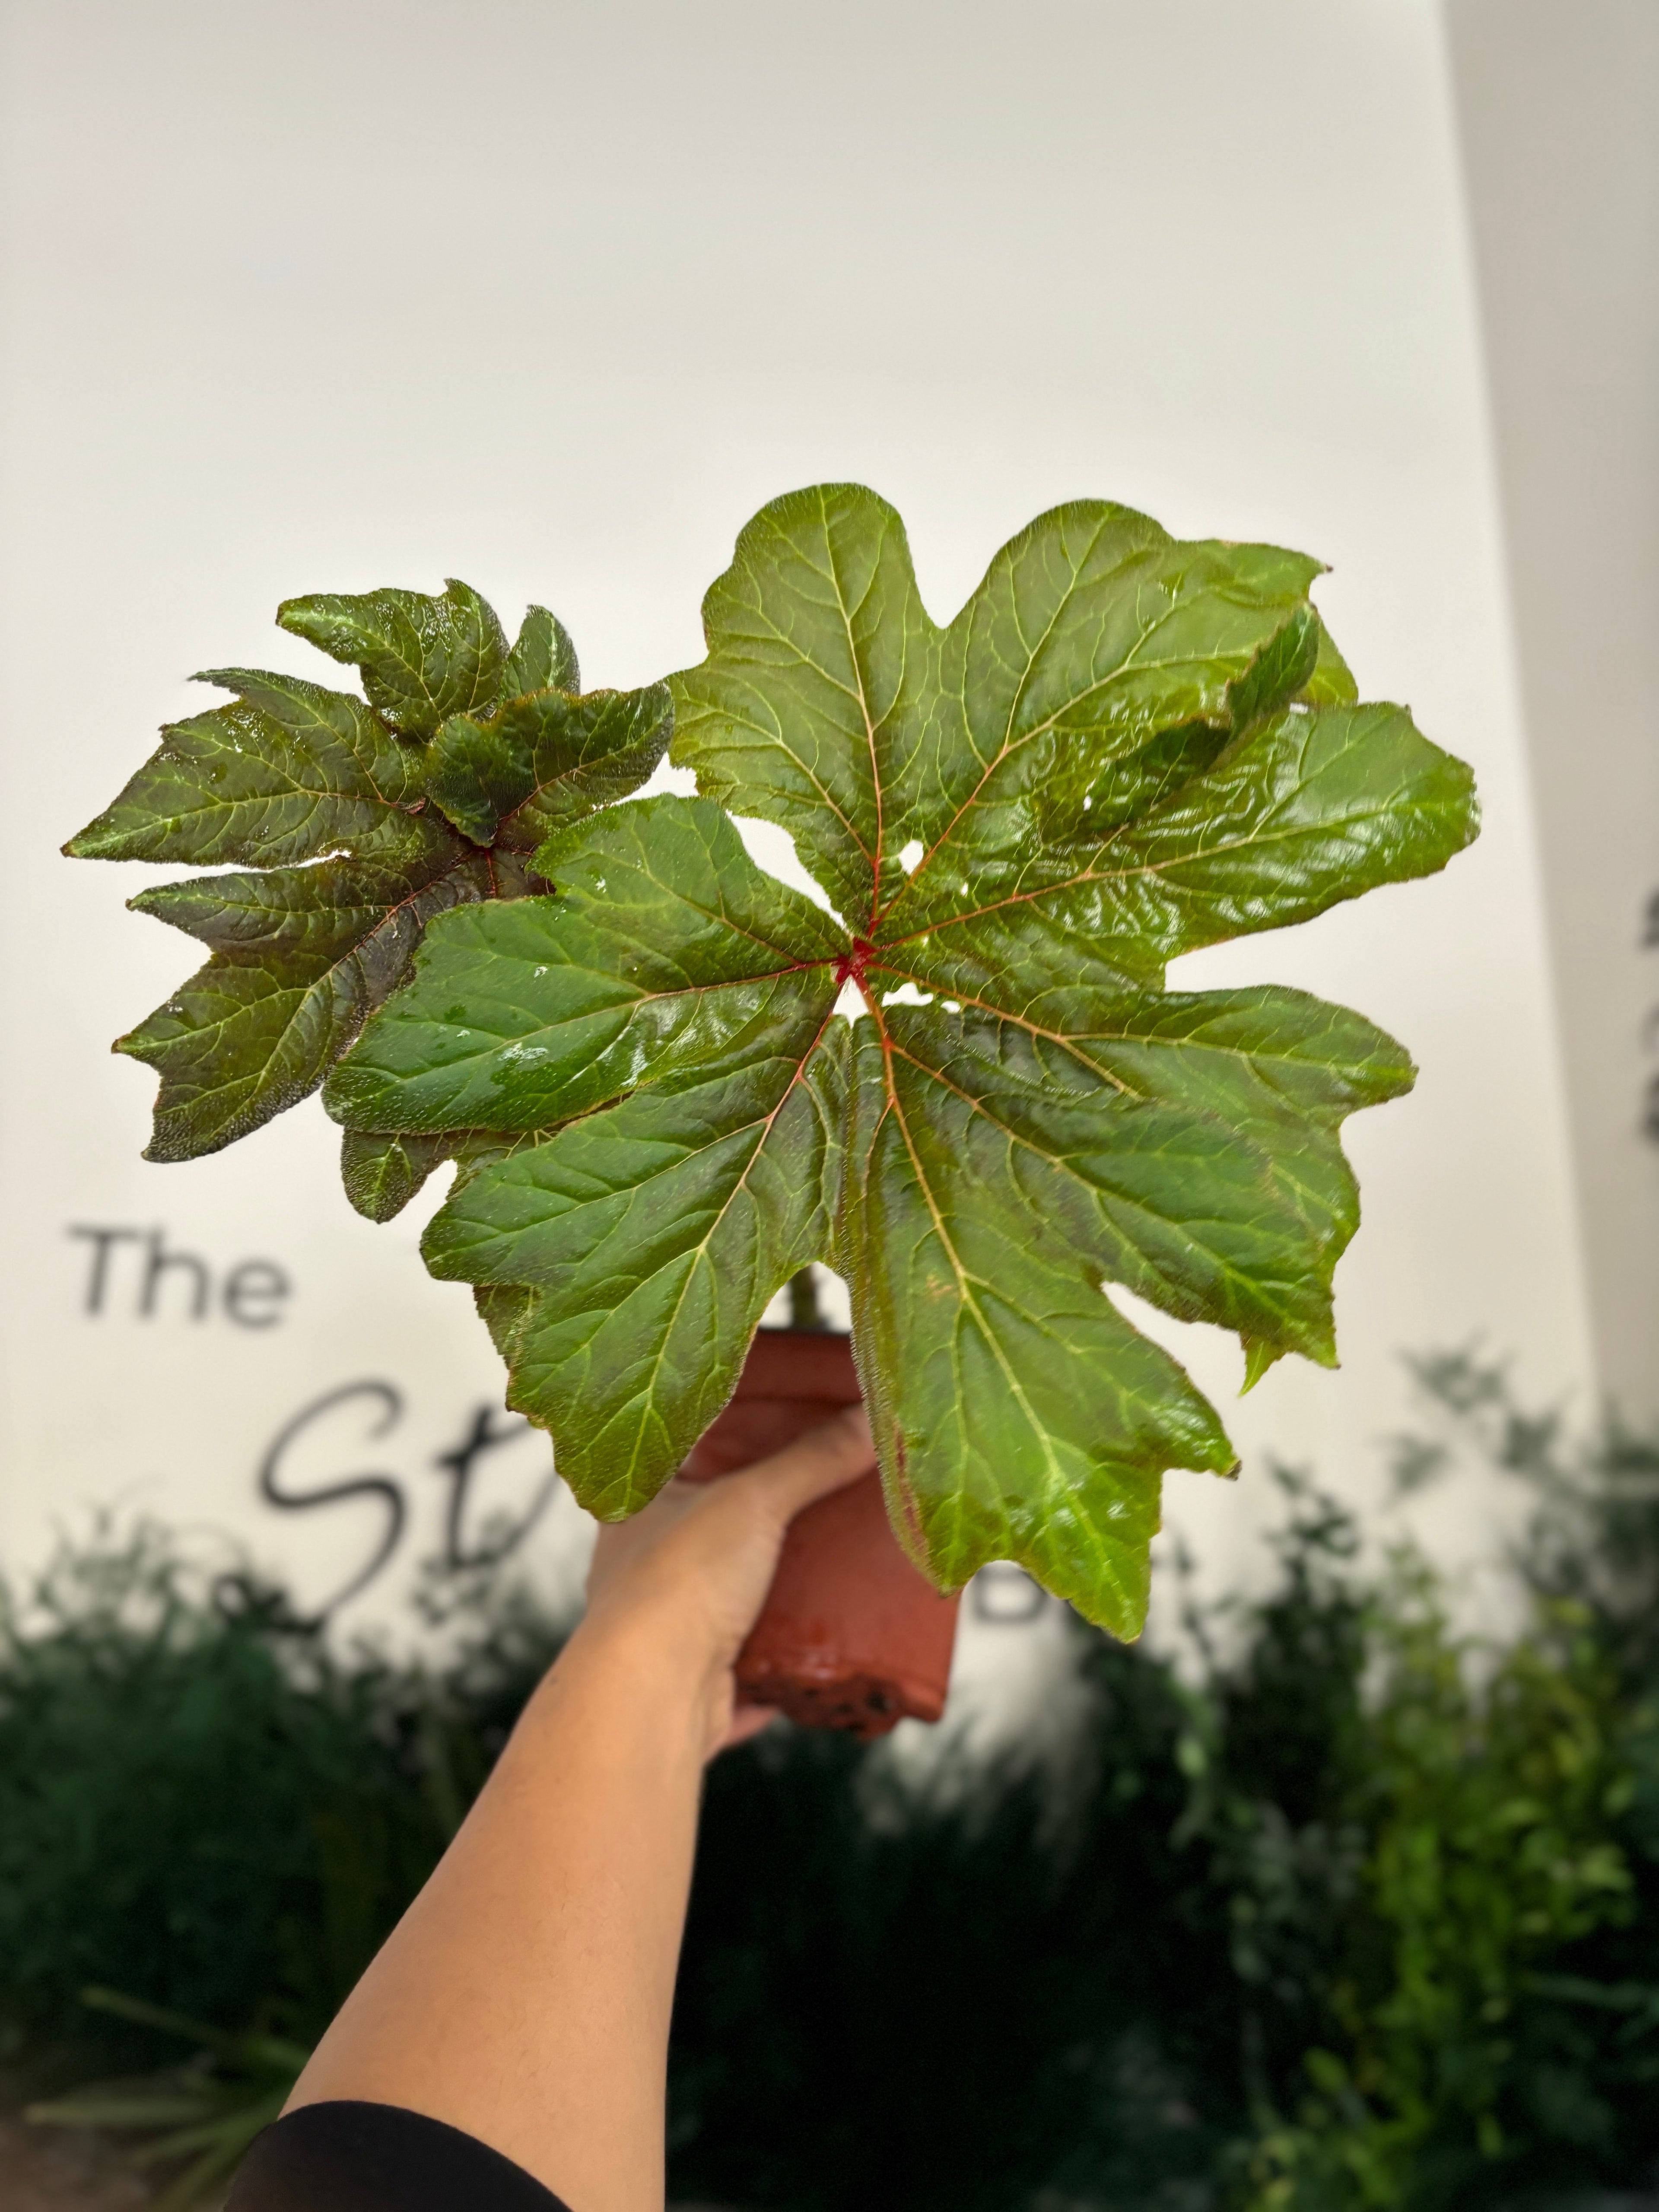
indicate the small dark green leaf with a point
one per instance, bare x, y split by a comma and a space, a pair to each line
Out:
542, 659
544, 761
1084, 801
422, 658
601, 750
301, 955
1282, 669
290, 773
381, 1174
479, 770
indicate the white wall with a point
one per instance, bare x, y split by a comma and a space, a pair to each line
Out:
335, 292
1560, 107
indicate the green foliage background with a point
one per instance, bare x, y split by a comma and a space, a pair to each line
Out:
1354, 1916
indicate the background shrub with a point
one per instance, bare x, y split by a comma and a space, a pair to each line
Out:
1362, 1916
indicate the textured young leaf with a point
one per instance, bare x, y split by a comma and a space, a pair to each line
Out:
381, 1174
1123, 748
341, 812
544, 760
422, 658
542, 659
289, 772
300, 956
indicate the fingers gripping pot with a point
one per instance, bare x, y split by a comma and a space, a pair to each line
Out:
851, 1636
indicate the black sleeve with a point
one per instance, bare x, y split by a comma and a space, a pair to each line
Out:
378, 2158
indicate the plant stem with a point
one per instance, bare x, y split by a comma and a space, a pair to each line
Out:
804, 1311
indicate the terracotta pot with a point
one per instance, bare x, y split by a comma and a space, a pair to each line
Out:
851, 1636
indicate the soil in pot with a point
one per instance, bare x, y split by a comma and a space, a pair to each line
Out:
852, 1636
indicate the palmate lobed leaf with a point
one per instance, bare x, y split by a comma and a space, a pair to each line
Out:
345, 810
1123, 748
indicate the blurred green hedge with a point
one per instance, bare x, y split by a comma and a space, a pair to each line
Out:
1346, 1911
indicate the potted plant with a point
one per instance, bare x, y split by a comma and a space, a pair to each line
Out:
636, 1046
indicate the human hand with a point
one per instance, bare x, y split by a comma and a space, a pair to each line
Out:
690, 1572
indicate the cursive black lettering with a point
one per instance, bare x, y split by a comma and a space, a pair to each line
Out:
460, 1464
378, 1485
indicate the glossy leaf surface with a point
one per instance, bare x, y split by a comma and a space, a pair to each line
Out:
1123, 748
545, 759
420, 659
654, 1234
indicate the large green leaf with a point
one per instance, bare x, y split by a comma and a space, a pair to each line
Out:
653, 1234
342, 809
1124, 747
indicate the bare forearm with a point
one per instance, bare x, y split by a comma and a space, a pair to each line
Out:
526, 1996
